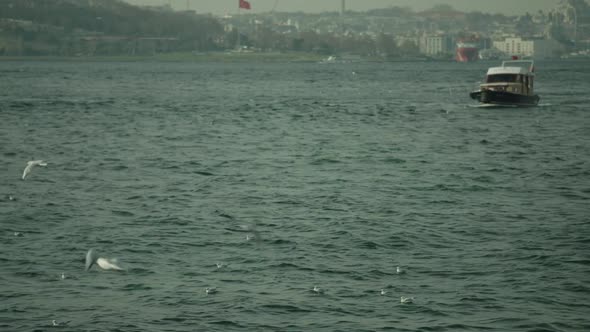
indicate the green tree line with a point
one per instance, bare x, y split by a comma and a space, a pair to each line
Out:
115, 18
84, 27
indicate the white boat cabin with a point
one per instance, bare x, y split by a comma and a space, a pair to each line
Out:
513, 76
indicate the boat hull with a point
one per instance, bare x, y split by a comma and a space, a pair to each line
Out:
465, 54
504, 98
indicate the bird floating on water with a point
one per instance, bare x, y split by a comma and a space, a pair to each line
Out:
18, 234
56, 323
383, 292
31, 164
63, 275
406, 299
318, 290
104, 263
210, 290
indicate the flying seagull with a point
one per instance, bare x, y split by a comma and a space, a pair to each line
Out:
31, 164
103, 263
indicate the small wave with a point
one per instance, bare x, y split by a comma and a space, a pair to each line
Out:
140, 271
325, 161
30, 274
369, 245
173, 319
227, 324
21, 104
288, 202
537, 327
122, 213
284, 308
476, 299
282, 242
393, 160
204, 173
133, 287
284, 265
224, 215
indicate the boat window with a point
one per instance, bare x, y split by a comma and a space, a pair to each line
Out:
500, 78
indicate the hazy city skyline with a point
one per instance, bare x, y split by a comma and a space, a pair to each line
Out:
220, 7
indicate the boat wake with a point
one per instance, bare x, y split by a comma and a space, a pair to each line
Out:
508, 106
493, 106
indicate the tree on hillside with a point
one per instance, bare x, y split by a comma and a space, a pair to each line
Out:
116, 18
409, 48
442, 8
386, 45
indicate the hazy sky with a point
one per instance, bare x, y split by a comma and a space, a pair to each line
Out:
220, 7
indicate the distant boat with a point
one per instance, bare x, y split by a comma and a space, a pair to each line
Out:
508, 85
467, 51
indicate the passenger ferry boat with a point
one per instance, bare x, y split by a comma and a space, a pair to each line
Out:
508, 85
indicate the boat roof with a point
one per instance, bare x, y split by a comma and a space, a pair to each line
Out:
515, 67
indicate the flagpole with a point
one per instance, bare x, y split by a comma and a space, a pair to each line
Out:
237, 29
246, 5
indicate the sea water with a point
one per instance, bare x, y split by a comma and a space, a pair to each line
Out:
292, 176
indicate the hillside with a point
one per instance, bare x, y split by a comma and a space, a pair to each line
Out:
100, 27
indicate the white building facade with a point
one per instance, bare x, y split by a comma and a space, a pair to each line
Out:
436, 45
535, 48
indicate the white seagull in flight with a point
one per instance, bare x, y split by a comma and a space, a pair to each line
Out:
31, 164
103, 263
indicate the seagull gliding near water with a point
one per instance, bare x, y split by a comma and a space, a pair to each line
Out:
31, 164
103, 263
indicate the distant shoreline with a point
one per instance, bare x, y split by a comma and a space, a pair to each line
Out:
179, 57
233, 57
224, 57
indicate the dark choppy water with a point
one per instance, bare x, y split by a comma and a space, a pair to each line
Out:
343, 176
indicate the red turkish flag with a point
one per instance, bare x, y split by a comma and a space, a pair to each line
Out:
244, 4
